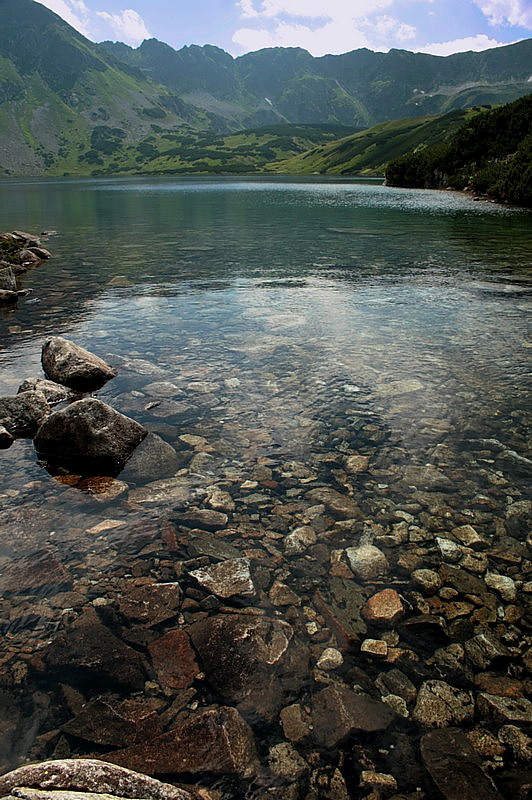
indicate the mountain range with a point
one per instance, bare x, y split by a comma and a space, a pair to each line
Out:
70, 106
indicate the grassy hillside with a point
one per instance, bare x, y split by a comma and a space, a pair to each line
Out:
185, 150
491, 154
368, 151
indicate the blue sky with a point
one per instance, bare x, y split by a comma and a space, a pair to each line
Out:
321, 26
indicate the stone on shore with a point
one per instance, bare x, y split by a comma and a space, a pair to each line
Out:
66, 363
92, 777
23, 414
89, 435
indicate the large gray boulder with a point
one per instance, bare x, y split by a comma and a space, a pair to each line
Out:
23, 415
66, 363
91, 778
89, 436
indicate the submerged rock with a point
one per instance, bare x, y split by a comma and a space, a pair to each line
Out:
454, 767
367, 561
23, 414
89, 435
6, 440
228, 579
8, 280
8, 298
108, 721
216, 741
338, 712
251, 661
152, 460
88, 654
73, 366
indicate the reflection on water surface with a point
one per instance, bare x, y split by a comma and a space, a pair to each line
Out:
338, 366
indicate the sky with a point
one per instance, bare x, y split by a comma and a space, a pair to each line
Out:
440, 27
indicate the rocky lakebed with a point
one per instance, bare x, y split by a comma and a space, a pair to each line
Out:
352, 625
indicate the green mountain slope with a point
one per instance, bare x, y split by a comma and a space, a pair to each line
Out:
368, 151
491, 153
185, 150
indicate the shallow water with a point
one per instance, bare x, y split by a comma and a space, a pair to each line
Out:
299, 322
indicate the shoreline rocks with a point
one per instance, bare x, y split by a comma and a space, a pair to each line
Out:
89, 435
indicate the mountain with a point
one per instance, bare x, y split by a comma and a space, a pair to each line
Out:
69, 106
359, 88
491, 154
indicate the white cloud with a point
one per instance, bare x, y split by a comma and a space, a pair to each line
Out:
312, 9
128, 25
75, 12
321, 26
507, 12
477, 43
330, 38
388, 26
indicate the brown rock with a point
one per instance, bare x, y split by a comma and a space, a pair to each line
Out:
151, 604
340, 506
214, 741
454, 767
338, 712
34, 571
203, 518
505, 709
296, 723
384, 608
88, 654
440, 705
174, 660
107, 721
228, 579
254, 662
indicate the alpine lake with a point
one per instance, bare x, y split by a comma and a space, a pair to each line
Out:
325, 590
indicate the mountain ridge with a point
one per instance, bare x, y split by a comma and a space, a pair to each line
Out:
61, 95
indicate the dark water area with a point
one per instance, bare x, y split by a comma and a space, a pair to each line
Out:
343, 370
